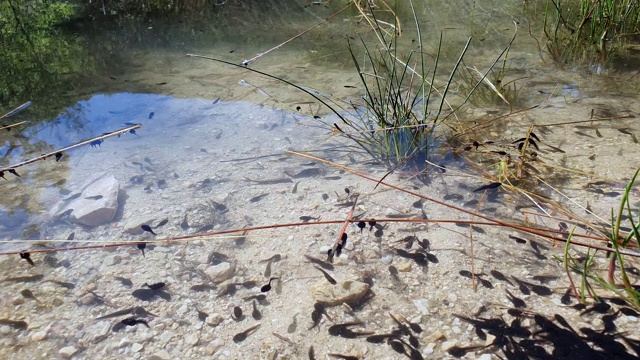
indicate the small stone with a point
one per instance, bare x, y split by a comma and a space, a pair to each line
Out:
191, 339
343, 292
88, 299
67, 351
422, 305
404, 266
429, 349
6, 329
133, 226
221, 272
112, 260
447, 345
166, 336
136, 347
490, 340
214, 345
161, 355
38, 336
485, 357
214, 319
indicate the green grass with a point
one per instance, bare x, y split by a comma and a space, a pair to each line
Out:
590, 31
620, 243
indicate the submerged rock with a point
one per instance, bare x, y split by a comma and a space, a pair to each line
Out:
343, 292
96, 204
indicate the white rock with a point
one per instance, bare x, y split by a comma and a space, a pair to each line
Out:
214, 319
166, 336
422, 305
221, 272
133, 225
38, 336
216, 344
447, 345
191, 339
161, 355
97, 203
136, 347
343, 292
485, 357
67, 351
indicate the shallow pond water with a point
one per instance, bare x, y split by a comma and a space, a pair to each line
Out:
196, 234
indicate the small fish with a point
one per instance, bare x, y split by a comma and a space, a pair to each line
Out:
305, 218
156, 286
331, 280
242, 336
95, 197
27, 256
488, 187
255, 314
237, 313
258, 198
267, 287
151, 115
147, 228
161, 83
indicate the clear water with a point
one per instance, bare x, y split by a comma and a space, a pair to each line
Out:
211, 156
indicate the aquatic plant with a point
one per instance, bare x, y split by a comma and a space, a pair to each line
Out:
587, 31
617, 242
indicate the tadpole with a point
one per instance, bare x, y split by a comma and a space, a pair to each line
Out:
27, 256
267, 287
147, 228
242, 336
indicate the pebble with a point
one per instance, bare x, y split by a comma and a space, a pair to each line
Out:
344, 291
136, 347
221, 272
6, 329
191, 339
422, 305
485, 357
161, 355
67, 351
166, 336
39, 336
214, 345
449, 344
214, 319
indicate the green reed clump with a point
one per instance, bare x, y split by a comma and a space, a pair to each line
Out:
400, 110
592, 31
619, 242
